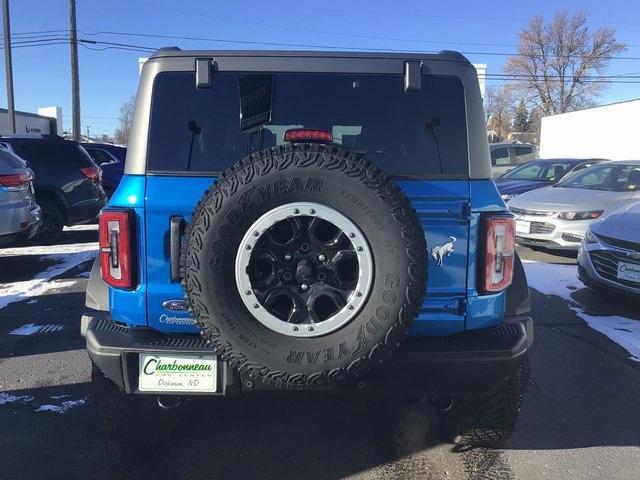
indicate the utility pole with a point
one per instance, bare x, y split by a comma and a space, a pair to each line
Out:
8, 64
75, 80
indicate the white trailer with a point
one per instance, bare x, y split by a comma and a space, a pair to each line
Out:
29, 123
609, 131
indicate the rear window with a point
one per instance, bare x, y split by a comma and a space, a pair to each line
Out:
53, 153
11, 160
408, 134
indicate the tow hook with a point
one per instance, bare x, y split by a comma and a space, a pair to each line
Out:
168, 402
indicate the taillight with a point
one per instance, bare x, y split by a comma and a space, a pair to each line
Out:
92, 173
117, 248
307, 135
15, 179
499, 241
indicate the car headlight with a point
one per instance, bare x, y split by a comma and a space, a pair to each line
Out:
589, 237
586, 215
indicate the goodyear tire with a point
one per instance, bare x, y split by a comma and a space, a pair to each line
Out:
304, 265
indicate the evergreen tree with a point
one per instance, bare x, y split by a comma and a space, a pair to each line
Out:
521, 118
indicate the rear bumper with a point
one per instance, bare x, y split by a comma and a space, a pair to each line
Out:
33, 224
458, 365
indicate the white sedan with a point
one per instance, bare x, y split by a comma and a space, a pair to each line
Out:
557, 217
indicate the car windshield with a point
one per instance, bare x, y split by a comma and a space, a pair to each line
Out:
613, 178
405, 133
547, 171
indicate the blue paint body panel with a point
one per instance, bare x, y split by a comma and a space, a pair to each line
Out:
446, 208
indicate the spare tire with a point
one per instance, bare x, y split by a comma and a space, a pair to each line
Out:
304, 265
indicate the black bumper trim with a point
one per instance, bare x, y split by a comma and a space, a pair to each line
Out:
460, 364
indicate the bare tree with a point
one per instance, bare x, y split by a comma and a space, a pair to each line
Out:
556, 62
498, 105
121, 135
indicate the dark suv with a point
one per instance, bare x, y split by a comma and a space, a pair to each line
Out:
67, 181
308, 221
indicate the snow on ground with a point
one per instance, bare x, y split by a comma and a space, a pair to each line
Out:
64, 407
33, 328
561, 281
8, 398
65, 256
49, 249
82, 228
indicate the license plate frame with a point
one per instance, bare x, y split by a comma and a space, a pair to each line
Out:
177, 373
628, 271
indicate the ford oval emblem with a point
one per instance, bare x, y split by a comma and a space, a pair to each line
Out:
176, 305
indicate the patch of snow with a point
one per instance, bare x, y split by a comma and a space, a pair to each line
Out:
64, 407
31, 302
561, 281
32, 329
42, 282
49, 249
58, 397
82, 228
8, 398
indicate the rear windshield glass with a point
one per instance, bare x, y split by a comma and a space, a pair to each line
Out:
53, 153
11, 160
405, 133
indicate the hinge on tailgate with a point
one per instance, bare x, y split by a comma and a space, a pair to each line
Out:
462, 306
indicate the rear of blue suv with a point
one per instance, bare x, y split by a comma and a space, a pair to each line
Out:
310, 221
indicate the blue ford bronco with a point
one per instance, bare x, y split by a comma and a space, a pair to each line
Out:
309, 221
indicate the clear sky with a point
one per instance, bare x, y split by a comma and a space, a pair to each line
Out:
109, 77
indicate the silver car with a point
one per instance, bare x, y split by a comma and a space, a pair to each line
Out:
557, 217
609, 255
19, 214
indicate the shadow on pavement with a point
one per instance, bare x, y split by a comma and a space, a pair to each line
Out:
580, 387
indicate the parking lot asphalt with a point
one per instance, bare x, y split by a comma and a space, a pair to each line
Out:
579, 418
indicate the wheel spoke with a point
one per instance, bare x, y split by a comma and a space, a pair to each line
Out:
324, 301
344, 265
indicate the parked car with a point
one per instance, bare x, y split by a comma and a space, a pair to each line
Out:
507, 156
20, 215
67, 181
539, 173
557, 217
110, 158
609, 255
304, 265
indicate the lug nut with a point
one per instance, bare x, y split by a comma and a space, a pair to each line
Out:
304, 286
311, 329
256, 234
248, 247
360, 249
296, 211
351, 307
321, 258
352, 235
295, 329
248, 292
358, 294
312, 211
256, 305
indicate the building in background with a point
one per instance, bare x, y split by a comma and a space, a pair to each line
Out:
608, 131
48, 121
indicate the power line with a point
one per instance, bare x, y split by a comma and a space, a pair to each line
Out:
322, 32
330, 47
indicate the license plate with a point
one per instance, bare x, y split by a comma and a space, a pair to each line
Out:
177, 373
629, 271
523, 226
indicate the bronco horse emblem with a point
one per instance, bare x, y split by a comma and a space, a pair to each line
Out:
440, 251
